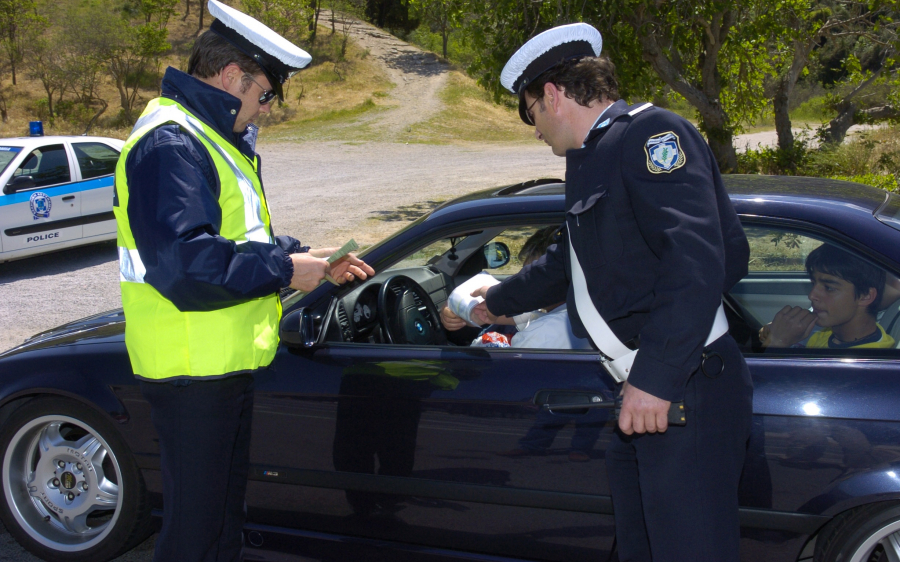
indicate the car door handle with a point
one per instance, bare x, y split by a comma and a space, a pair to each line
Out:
68, 198
559, 400
562, 407
568, 400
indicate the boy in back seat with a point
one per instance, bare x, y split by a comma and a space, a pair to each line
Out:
845, 297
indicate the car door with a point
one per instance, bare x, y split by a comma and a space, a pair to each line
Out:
38, 209
826, 429
8, 155
96, 169
436, 446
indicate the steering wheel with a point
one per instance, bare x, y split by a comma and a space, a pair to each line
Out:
407, 314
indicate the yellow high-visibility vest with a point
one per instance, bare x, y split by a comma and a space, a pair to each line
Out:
164, 342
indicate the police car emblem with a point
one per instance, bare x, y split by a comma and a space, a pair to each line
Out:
664, 153
40, 205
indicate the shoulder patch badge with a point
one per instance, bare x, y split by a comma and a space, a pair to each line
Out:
40, 205
664, 153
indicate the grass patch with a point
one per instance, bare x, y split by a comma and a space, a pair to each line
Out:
330, 97
871, 157
470, 115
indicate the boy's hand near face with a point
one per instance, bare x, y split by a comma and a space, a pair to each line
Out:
791, 325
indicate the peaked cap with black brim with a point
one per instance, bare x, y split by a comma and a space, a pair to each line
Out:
544, 51
278, 58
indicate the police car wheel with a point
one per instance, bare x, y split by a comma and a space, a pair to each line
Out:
869, 533
71, 490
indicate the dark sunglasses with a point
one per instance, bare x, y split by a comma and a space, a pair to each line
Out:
528, 111
267, 96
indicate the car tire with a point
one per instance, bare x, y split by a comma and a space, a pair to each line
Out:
870, 533
71, 490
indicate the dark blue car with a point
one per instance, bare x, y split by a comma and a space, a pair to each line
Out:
380, 436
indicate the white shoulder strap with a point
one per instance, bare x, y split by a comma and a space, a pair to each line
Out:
637, 110
621, 358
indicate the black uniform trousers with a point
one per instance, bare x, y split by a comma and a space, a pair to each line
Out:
675, 494
204, 442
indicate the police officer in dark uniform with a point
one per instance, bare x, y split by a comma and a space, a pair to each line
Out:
658, 243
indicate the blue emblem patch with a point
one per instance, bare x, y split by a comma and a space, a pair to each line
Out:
40, 205
664, 153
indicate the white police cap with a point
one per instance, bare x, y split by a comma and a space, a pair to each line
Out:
278, 58
543, 52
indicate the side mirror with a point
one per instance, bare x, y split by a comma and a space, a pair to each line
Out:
496, 254
19, 183
297, 329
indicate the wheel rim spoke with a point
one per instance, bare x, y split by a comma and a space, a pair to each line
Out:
106, 496
89, 446
77, 524
51, 439
891, 545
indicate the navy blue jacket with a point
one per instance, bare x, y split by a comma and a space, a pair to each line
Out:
658, 248
173, 208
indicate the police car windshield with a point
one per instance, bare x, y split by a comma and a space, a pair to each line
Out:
7, 154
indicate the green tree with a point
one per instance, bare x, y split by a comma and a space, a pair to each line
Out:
856, 85
497, 28
288, 18
19, 26
390, 14
127, 50
441, 16
798, 27
312, 19
83, 61
48, 68
710, 52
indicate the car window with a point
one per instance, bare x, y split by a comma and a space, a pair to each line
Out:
520, 250
7, 155
499, 252
429, 253
805, 294
95, 159
47, 165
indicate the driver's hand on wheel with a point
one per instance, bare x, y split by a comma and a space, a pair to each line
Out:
451, 321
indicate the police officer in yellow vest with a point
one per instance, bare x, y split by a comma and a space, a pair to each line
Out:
201, 270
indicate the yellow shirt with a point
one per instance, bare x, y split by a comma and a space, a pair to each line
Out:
820, 340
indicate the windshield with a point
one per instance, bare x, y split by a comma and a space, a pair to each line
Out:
7, 154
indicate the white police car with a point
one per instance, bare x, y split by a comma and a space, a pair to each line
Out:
57, 192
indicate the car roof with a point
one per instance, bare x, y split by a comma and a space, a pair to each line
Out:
844, 207
28, 142
747, 192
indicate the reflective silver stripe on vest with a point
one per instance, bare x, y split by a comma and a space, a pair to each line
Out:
256, 229
131, 268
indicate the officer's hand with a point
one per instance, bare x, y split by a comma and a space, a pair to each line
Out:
349, 268
765, 332
480, 314
642, 412
322, 252
450, 320
789, 326
308, 271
